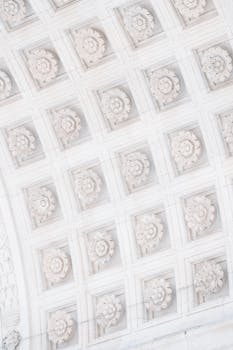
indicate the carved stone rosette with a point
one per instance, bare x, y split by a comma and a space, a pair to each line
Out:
60, 327
200, 214
208, 278
88, 186
116, 105
109, 310
91, 45
43, 65
139, 23
149, 231
191, 9
135, 169
12, 11
165, 86
216, 63
21, 142
56, 265
101, 248
158, 295
5, 85
42, 204
67, 125
186, 149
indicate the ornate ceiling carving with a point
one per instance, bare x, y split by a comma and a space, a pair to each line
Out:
116, 188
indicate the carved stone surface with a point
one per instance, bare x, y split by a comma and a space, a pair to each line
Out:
227, 130
11, 341
165, 85
21, 142
67, 125
9, 302
88, 186
208, 278
139, 23
216, 63
42, 204
56, 265
12, 10
186, 149
5, 85
109, 310
115, 202
116, 105
191, 9
60, 327
200, 214
149, 231
101, 248
158, 294
43, 65
135, 169
91, 45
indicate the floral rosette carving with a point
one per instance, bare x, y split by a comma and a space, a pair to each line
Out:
149, 231
227, 130
42, 204
109, 310
88, 186
57, 265
165, 85
200, 214
116, 105
158, 294
12, 11
101, 249
60, 327
139, 23
67, 125
5, 85
186, 149
208, 278
21, 142
135, 169
216, 63
91, 45
43, 65
190, 9
11, 341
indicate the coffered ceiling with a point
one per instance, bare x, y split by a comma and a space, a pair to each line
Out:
116, 187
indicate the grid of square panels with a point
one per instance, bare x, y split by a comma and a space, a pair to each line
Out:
119, 156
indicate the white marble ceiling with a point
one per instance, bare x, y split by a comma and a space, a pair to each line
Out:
116, 174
